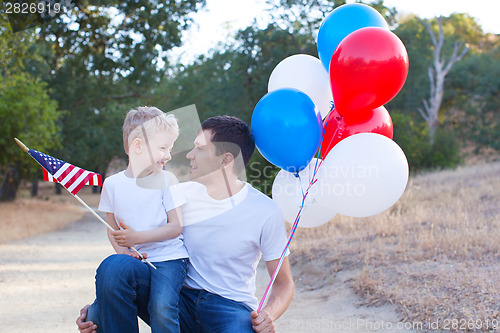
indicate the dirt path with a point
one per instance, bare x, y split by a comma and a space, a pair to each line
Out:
45, 280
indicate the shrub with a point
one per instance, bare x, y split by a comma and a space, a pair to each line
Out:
413, 138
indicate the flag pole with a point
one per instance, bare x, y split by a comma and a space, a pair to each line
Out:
26, 150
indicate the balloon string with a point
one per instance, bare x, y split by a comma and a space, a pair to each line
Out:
285, 250
312, 181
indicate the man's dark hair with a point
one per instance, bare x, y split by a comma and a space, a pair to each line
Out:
231, 135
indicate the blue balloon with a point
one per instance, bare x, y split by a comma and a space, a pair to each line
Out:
287, 128
341, 22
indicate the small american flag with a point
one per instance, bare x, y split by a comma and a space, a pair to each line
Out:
71, 177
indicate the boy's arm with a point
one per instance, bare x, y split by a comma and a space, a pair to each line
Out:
129, 237
110, 218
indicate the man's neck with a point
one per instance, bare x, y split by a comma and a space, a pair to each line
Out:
222, 185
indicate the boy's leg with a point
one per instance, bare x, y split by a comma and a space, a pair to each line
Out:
122, 293
166, 283
222, 315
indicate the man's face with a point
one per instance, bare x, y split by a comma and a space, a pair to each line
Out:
203, 158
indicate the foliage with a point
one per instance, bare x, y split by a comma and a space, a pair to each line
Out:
101, 59
26, 110
413, 138
470, 105
474, 87
118, 38
31, 118
305, 16
457, 27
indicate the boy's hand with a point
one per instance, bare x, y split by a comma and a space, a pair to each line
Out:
136, 255
126, 237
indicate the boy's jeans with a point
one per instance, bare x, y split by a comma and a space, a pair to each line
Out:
123, 286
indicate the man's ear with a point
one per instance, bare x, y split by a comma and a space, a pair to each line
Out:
227, 159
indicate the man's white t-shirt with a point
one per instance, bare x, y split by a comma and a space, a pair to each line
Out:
143, 204
226, 239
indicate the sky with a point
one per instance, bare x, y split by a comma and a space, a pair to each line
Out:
223, 17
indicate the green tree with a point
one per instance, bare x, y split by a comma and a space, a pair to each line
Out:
437, 72
101, 59
474, 87
26, 110
416, 41
458, 28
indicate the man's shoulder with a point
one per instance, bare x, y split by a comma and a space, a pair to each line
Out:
262, 200
258, 195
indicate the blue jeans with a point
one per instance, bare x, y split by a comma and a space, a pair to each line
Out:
123, 289
205, 312
166, 283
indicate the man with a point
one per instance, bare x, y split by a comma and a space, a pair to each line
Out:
228, 225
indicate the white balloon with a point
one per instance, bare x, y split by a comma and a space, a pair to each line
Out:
363, 175
306, 73
288, 191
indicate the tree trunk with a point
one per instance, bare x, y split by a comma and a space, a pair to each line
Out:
57, 187
437, 73
34, 188
10, 184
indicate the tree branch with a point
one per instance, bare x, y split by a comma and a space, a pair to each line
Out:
437, 53
428, 27
422, 113
427, 107
455, 56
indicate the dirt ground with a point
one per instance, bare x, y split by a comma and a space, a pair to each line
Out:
45, 280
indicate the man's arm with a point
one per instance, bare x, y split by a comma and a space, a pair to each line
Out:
281, 295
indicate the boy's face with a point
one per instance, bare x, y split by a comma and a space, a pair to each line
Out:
161, 144
154, 151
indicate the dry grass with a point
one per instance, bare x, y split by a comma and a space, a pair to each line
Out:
436, 253
26, 217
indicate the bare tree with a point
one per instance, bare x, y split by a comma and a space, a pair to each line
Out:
437, 73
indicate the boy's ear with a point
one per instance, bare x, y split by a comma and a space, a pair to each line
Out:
136, 145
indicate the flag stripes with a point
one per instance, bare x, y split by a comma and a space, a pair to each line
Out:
71, 177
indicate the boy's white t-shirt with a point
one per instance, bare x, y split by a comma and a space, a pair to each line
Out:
226, 239
143, 204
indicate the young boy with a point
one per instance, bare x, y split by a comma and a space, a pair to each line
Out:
138, 201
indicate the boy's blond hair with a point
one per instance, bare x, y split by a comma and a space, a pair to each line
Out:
146, 119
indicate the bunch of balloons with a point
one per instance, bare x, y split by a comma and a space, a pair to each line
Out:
334, 105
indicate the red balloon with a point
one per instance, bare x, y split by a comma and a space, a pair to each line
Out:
368, 68
337, 127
